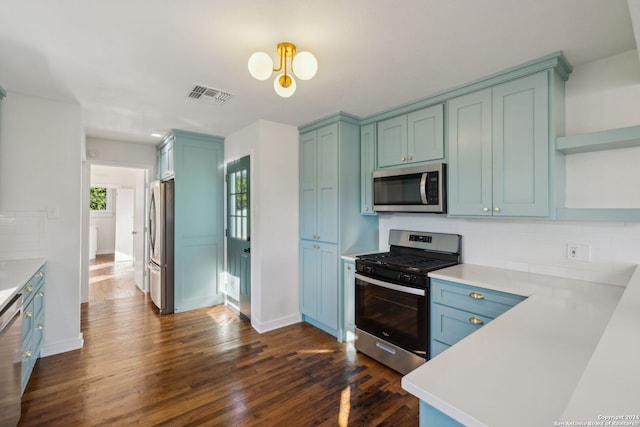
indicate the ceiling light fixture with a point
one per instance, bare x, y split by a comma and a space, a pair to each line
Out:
304, 65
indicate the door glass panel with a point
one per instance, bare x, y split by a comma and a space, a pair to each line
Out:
238, 205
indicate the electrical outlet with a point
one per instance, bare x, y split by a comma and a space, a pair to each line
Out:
578, 252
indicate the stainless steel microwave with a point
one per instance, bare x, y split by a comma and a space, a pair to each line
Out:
411, 189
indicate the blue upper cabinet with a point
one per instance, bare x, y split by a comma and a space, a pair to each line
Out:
411, 138
499, 150
308, 186
319, 184
166, 158
392, 142
425, 134
367, 166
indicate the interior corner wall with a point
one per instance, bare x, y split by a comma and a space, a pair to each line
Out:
274, 220
40, 167
603, 94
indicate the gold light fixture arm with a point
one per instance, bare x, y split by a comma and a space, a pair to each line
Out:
285, 50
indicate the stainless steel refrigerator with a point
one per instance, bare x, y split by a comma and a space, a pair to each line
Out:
161, 239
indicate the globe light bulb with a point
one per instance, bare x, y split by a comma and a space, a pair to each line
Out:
305, 65
260, 65
285, 86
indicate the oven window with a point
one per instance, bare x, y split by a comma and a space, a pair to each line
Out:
397, 317
397, 190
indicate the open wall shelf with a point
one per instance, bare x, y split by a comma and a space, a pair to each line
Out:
627, 137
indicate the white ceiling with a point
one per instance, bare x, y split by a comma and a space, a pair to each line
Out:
131, 63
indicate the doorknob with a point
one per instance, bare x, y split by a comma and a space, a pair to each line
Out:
247, 250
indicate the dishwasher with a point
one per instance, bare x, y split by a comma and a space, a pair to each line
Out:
10, 362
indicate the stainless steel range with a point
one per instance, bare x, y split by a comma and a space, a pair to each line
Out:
392, 296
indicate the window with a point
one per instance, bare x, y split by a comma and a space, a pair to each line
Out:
100, 200
238, 205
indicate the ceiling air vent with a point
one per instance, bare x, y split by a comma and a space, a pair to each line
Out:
213, 96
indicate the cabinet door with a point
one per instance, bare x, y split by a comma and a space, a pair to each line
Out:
367, 165
425, 135
308, 185
328, 296
392, 142
327, 187
319, 282
470, 181
167, 159
521, 147
308, 278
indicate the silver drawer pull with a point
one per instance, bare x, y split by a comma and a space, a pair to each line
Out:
476, 321
476, 295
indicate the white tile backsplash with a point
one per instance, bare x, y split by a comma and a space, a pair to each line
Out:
534, 246
22, 234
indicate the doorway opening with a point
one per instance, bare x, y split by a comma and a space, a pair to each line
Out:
117, 217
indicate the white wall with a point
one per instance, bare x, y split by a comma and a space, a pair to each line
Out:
40, 167
600, 95
274, 220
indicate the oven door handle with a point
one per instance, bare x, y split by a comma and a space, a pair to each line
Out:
392, 286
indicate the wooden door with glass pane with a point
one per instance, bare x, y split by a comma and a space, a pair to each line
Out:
239, 235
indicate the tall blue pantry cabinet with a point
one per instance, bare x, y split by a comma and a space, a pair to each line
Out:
330, 220
196, 163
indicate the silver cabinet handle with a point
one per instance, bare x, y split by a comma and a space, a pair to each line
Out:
496, 209
485, 209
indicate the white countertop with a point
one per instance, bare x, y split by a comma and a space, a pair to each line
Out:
539, 362
14, 274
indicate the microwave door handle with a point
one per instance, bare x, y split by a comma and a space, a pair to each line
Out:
423, 189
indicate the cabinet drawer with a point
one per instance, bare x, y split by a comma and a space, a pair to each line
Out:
449, 325
32, 286
28, 317
38, 302
476, 300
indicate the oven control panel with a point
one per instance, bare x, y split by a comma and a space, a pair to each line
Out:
419, 238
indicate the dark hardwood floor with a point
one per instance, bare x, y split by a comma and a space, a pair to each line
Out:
208, 367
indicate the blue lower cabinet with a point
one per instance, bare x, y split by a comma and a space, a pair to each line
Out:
319, 295
458, 310
431, 417
32, 324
